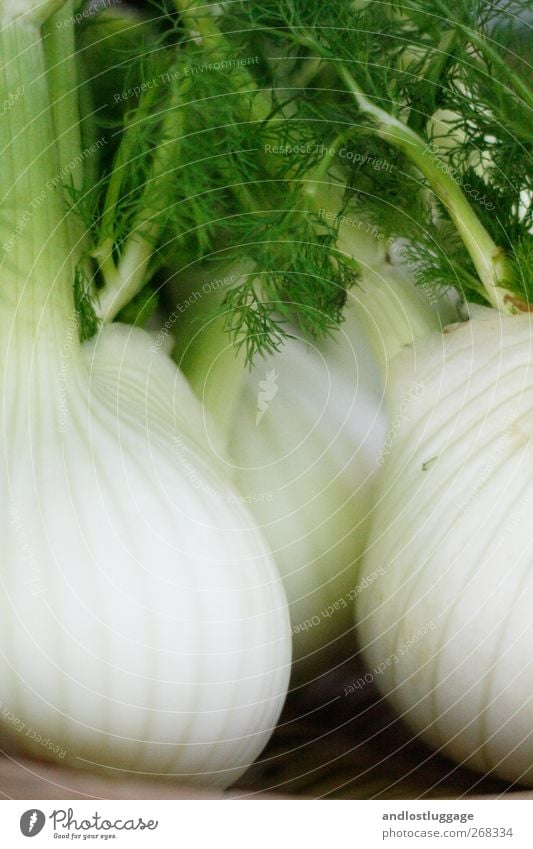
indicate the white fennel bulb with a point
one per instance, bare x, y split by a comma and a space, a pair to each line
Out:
311, 454
304, 429
448, 627
144, 627
143, 623
305, 437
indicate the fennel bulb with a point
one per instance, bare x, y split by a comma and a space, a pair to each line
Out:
450, 530
304, 429
463, 209
144, 627
305, 437
315, 452
143, 624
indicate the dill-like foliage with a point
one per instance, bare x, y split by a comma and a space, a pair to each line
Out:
215, 154
417, 61
220, 187
83, 301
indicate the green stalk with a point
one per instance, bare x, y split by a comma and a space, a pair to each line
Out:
103, 252
36, 296
63, 87
488, 258
205, 353
390, 312
393, 314
124, 281
127, 278
62, 74
198, 18
311, 188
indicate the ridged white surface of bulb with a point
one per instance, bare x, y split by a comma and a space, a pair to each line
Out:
306, 436
448, 630
143, 624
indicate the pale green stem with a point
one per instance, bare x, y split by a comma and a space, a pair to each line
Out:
487, 257
36, 296
124, 280
307, 72
205, 353
312, 186
198, 17
127, 279
62, 74
392, 313
103, 252
63, 86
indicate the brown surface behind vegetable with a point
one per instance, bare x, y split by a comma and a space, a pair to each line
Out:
333, 741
